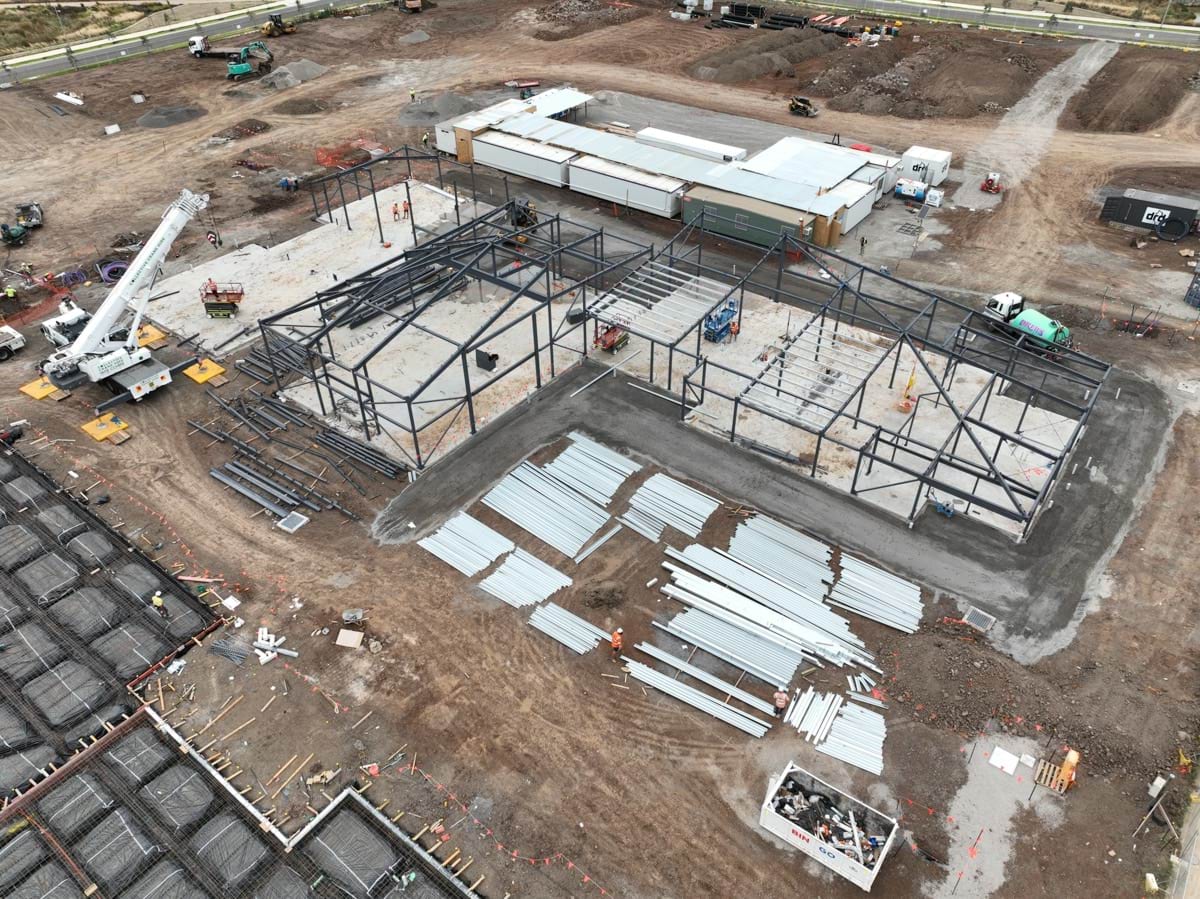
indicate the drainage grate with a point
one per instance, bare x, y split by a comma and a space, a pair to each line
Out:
979, 620
911, 228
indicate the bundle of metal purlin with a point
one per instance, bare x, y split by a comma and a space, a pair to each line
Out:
856, 737
546, 508
723, 686
698, 699
783, 554
524, 580
569, 630
878, 595
591, 468
359, 453
812, 713
798, 634
466, 544
664, 499
805, 608
765, 659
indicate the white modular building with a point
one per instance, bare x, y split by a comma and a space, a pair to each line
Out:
454, 135
656, 194
692, 146
925, 164
527, 158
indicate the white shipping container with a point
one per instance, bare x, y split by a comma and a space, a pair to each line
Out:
518, 156
925, 164
656, 194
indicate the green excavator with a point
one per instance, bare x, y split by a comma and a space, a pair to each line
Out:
252, 60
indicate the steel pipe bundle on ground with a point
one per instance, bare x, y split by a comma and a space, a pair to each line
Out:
542, 505
805, 608
856, 738
785, 555
706, 677
524, 580
591, 468
756, 618
667, 500
466, 544
878, 595
767, 661
697, 699
569, 630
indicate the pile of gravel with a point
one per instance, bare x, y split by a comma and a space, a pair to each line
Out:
294, 73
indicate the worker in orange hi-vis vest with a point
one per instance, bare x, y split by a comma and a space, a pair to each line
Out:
781, 700
618, 641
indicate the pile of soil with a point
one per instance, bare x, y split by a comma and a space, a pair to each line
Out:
415, 37
604, 595
768, 54
570, 18
301, 106
166, 116
244, 128
294, 73
1136, 89
956, 78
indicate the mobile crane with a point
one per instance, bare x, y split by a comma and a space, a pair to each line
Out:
106, 349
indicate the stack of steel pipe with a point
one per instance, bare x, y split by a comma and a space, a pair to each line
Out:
705, 677
878, 595
812, 714
648, 527
856, 738
542, 505
356, 451
784, 554
667, 500
803, 607
466, 544
768, 661
591, 468
765, 622
524, 580
698, 699
569, 630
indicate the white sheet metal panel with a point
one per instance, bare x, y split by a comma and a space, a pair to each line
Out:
519, 156
557, 100
925, 164
803, 161
655, 194
692, 146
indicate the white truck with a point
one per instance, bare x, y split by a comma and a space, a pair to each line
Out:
106, 349
11, 340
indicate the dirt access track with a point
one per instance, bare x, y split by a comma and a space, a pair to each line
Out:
542, 770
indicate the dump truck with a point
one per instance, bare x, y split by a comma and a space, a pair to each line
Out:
1008, 313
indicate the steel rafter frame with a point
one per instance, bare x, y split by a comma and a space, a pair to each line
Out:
840, 291
538, 265
683, 254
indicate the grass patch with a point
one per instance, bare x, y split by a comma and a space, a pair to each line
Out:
34, 27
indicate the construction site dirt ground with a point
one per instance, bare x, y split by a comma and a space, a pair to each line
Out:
569, 774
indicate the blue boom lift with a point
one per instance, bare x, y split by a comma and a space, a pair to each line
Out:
721, 324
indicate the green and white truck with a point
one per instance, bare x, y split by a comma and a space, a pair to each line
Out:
1008, 313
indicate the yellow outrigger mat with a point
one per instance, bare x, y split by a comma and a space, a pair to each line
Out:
148, 334
39, 389
105, 426
204, 371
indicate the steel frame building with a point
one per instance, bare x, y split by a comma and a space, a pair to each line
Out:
537, 265
815, 380
845, 294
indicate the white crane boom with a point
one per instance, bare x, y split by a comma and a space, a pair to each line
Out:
95, 352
